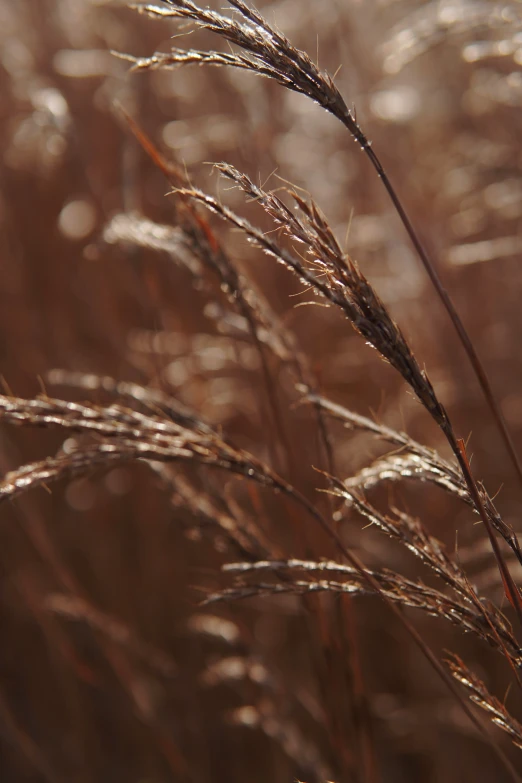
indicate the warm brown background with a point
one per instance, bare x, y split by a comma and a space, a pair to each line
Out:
77, 701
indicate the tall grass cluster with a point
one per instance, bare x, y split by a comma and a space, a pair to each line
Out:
262, 403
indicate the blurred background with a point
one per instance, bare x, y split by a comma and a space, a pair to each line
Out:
110, 669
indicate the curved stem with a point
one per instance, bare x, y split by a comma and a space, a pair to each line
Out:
356, 563
444, 297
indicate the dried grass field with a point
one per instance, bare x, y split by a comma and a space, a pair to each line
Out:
261, 404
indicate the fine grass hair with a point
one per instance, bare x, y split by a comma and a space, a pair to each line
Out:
260, 528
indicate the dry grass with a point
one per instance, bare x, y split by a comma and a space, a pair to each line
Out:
213, 547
